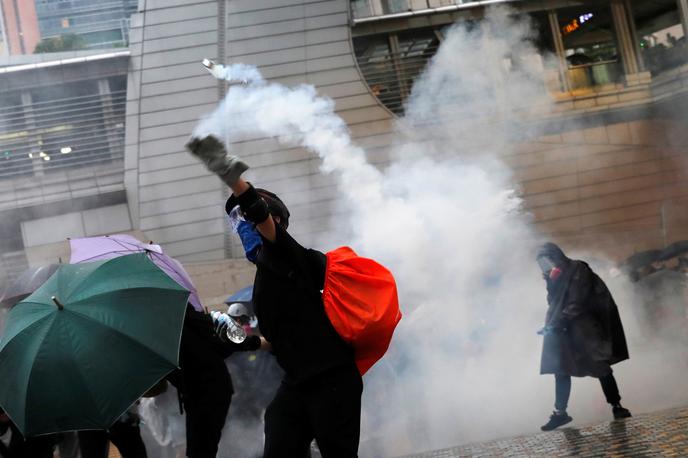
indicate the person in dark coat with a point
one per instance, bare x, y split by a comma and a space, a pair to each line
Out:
320, 395
204, 383
583, 334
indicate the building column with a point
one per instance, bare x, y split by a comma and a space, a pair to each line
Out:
376, 7
683, 12
559, 49
634, 35
395, 54
629, 56
109, 122
3, 32
30, 122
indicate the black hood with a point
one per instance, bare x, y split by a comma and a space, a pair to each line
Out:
553, 252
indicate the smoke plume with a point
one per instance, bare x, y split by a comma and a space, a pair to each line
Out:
445, 216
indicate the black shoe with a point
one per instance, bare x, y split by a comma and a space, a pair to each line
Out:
556, 420
621, 412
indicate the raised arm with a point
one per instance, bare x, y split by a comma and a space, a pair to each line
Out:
228, 168
242, 190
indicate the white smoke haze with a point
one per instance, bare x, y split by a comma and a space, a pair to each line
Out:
446, 218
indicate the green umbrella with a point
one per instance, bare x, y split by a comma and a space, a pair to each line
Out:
80, 350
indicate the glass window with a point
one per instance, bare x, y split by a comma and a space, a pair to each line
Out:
395, 6
590, 45
662, 38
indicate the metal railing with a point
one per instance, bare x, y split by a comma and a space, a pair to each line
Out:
39, 138
391, 77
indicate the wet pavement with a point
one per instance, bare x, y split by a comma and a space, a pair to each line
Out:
662, 433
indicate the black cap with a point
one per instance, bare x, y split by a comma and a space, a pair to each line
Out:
275, 205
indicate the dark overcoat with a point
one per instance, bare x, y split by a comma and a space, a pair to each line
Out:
586, 336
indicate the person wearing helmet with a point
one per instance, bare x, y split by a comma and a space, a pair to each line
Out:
320, 395
239, 313
583, 334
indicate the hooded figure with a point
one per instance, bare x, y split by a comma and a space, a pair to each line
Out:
583, 334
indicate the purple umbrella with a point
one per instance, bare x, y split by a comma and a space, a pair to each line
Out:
111, 246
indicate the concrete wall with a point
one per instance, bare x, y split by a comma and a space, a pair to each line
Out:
171, 196
614, 188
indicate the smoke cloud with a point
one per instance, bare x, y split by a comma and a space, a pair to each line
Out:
445, 216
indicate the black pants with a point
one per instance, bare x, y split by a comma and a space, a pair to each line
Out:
206, 414
327, 409
126, 436
563, 390
33, 447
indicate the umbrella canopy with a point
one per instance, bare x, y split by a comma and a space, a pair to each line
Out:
27, 282
675, 249
88, 343
642, 259
243, 295
112, 246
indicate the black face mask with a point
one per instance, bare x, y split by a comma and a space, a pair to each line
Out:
546, 264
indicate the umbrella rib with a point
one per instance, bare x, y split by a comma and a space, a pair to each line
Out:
104, 253
163, 259
151, 288
33, 363
117, 331
122, 244
78, 370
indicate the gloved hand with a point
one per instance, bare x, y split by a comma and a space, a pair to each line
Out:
213, 154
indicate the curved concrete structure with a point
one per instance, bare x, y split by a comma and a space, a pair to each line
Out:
173, 199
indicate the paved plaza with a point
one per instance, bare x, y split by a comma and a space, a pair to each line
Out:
663, 433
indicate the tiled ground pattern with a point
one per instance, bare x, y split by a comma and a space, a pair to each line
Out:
662, 433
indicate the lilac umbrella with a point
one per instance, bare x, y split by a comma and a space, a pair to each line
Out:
111, 246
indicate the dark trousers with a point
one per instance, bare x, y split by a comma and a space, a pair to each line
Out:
327, 409
206, 413
563, 390
33, 447
125, 436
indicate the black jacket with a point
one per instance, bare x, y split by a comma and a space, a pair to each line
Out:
288, 303
202, 357
588, 336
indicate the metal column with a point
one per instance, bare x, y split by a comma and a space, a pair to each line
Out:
559, 49
624, 38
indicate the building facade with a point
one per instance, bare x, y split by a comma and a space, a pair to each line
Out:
606, 173
19, 32
61, 153
614, 59
101, 23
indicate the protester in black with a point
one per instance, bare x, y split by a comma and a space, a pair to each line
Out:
320, 396
204, 383
583, 334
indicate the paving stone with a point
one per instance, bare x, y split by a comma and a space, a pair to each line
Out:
662, 433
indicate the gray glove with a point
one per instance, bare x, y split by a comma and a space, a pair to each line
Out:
213, 154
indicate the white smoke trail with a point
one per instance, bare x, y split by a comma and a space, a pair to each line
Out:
464, 363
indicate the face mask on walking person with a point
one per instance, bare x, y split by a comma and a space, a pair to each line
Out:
250, 238
548, 267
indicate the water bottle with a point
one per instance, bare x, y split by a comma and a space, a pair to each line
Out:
231, 328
